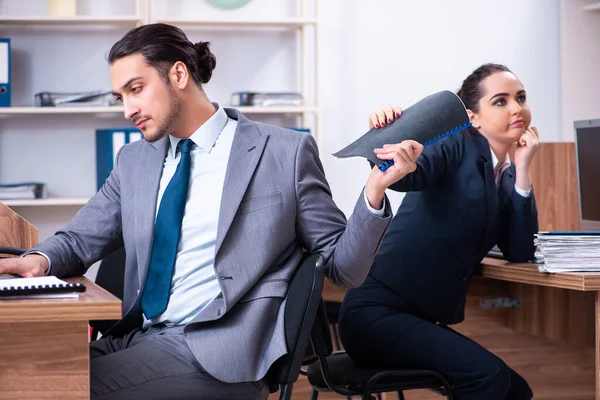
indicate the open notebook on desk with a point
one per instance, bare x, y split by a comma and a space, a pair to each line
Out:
43, 287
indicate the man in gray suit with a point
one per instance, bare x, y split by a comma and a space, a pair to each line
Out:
214, 211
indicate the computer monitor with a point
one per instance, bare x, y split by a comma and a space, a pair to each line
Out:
587, 148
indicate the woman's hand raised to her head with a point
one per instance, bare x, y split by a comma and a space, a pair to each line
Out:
527, 146
385, 115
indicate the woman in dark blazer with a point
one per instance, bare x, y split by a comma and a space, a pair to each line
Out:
460, 202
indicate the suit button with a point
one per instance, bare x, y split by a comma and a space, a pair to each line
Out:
473, 251
462, 276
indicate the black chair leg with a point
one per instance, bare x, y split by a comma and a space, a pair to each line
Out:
315, 395
286, 391
400, 396
336, 337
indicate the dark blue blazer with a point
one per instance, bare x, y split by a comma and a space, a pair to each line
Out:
452, 215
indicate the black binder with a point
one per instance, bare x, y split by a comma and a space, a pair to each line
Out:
427, 121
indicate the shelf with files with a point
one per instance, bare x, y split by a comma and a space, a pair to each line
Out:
81, 20
9, 111
302, 22
286, 35
239, 23
135, 13
51, 201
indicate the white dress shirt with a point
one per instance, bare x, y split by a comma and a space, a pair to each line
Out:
499, 170
194, 283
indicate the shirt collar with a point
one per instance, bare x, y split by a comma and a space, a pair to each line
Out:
495, 162
207, 134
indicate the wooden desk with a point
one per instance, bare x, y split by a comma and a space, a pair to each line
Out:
44, 343
528, 273
575, 318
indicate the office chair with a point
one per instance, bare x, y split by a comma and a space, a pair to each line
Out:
337, 372
110, 277
332, 310
302, 301
303, 298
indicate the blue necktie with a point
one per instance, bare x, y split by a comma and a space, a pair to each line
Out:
167, 230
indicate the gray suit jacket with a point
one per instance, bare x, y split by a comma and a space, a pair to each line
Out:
275, 202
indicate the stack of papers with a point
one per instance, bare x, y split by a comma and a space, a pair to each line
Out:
24, 190
568, 251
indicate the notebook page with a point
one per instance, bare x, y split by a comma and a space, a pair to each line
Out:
36, 281
16, 283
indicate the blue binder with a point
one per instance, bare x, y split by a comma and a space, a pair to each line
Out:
108, 144
4, 72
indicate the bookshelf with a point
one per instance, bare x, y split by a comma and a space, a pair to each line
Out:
125, 20
239, 23
68, 54
51, 201
12, 111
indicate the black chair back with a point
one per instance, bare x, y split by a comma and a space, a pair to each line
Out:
111, 273
110, 277
322, 345
302, 302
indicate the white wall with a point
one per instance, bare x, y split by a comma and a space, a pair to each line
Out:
379, 52
371, 53
580, 63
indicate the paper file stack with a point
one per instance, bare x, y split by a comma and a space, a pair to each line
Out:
568, 251
25, 190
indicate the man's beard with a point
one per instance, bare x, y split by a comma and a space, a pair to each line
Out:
174, 114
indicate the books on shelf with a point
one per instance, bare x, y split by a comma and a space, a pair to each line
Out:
97, 98
568, 251
108, 144
41, 287
62, 8
23, 190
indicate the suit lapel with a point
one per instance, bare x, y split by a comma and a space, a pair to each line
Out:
246, 150
151, 161
485, 165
